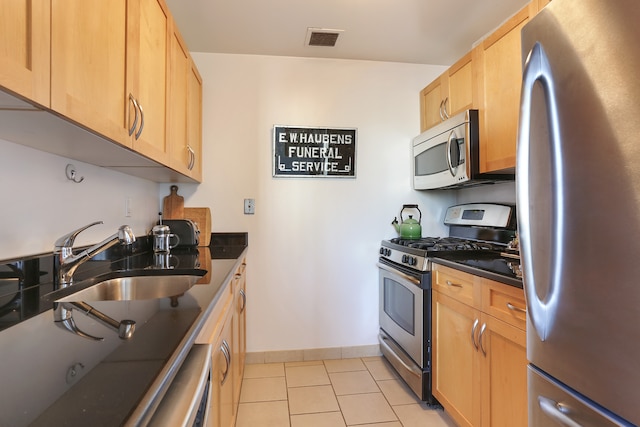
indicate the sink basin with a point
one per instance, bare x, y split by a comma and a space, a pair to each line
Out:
134, 288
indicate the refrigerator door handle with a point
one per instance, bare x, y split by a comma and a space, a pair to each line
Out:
541, 309
557, 411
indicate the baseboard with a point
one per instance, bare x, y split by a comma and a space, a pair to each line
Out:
313, 354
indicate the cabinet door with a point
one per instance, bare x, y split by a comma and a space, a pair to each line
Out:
221, 411
461, 93
88, 67
25, 48
504, 374
177, 118
456, 364
240, 330
226, 408
185, 113
148, 67
500, 78
431, 101
194, 121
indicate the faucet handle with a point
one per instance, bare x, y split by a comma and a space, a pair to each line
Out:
67, 240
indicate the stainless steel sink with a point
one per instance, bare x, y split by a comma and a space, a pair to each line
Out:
134, 288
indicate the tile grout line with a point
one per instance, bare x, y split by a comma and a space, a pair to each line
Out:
335, 394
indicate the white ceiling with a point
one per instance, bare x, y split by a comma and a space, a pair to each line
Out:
414, 31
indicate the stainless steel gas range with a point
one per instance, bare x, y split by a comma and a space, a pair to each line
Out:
480, 235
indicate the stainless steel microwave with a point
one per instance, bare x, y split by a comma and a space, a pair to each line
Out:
448, 155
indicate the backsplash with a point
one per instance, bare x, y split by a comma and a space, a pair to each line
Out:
40, 204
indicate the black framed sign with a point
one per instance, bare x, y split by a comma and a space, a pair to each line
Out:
314, 152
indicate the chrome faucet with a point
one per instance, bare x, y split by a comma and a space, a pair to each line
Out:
67, 262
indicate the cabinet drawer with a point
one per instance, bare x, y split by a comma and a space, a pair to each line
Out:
454, 283
504, 302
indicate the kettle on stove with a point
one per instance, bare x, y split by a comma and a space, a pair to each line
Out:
408, 228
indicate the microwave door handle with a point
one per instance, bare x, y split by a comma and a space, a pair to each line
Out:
542, 311
451, 140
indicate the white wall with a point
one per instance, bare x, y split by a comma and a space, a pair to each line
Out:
39, 203
312, 276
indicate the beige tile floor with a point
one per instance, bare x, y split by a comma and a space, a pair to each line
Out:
363, 392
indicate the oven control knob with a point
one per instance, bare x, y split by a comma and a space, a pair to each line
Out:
413, 261
405, 259
382, 251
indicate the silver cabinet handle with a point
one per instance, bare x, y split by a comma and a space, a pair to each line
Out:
441, 115
514, 308
244, 300
557, 411
482, 330
455, 285
192, 158
542, 311
473, 333
444, 107
224, 348
141, 121
135, 120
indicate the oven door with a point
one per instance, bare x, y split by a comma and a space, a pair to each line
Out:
402, 311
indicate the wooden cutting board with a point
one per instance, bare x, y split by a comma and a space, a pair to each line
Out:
202, 217
173, 205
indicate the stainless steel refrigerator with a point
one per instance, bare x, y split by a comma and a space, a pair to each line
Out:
578, 194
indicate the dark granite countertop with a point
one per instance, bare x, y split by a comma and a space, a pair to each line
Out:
126, 379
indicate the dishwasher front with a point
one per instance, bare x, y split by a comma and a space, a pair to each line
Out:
187, 401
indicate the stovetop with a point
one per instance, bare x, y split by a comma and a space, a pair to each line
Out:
438, 244
479, 236
416, 254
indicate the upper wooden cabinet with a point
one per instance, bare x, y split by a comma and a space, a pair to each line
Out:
449, 94
194, 121
109, 64
185, 120
88, 65
103, 66
147, 76
25, 48
499, 64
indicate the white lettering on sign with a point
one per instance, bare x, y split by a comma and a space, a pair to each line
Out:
314, 152
299, 166
311, 138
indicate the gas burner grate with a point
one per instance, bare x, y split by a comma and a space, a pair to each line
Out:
444, 244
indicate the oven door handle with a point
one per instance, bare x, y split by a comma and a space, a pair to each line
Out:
399, 273
398, 357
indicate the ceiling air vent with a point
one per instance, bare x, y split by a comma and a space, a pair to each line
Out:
322, 37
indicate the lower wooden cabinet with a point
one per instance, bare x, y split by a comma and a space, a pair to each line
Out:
239, 329
222, 413
456, 364
479, 349
226, 330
